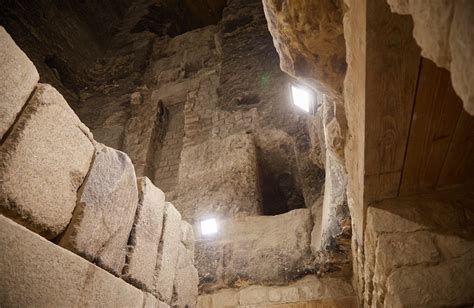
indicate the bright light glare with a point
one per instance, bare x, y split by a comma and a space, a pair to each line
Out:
208, 226
301, 98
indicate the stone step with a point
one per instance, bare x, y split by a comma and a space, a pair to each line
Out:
44, 161
105, 211
38, 273
145, 237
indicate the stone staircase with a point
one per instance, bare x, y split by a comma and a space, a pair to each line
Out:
78, 228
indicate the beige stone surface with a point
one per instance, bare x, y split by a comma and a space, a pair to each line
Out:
233, 256
105, 211
188, 238
44, 161
219, 194
168, 254
444, 29
419, 251
185, 288
309, 288
461, 42
38, 273
447, 284
19, 78
309, 38
145, 236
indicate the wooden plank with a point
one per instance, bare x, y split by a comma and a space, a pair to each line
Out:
458, 167
392, 66
436, 113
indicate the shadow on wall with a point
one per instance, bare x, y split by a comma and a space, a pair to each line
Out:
277, 177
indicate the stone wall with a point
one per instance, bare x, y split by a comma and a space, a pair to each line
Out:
419, 251
306, 292
84, 197
232, 257
83, 27
309, 38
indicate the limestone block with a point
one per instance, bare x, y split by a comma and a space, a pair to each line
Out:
44, 161
307, 289
185, 289
106, 205
150, 301
284, 295
19, 78
219, 195
38, 273
417, 248
168, 253
254, 295
241, 244
444, 285
145, 235
187, 236
223, 298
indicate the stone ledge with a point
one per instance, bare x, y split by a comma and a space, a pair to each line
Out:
38, 273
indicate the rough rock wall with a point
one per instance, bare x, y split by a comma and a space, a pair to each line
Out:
238, 90
309, 38
445, 32
354, 91
82, 27
61, 184
232, 258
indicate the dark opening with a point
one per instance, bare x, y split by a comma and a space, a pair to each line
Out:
280, 191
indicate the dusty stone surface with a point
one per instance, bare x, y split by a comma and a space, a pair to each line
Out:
105, 210
309, 38
44, 161
185, 288
168, 252
413, 244
310, 41
145, 236
38, 273
188, 238
307, 289
219, 195
444, 30
233, 257
19, 79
